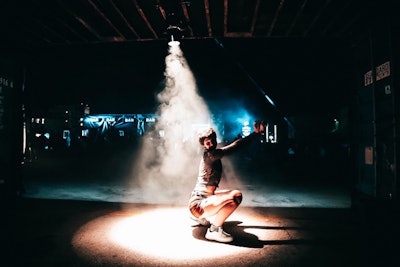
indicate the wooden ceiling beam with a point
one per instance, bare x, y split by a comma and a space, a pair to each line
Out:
124, 19
275, 19
80, 20
163, 13
208, 20
298, 14
255, 16
61, 22
187, 18
316, 18
144, 17
226, 3
108, 21
53, 32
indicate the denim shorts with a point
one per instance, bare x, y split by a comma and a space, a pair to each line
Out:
196, 203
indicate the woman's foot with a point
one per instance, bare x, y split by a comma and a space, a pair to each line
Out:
218, 234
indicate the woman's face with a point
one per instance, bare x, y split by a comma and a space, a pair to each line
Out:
210, 143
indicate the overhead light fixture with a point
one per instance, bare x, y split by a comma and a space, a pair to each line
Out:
174, 33
176, 23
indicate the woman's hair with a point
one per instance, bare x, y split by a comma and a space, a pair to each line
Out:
209, 133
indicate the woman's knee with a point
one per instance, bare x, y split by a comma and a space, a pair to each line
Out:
237, 197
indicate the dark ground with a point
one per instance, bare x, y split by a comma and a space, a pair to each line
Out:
41, 232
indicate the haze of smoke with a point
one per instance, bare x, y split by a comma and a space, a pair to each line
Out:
167, 166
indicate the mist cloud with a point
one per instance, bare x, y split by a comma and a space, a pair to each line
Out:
167, 164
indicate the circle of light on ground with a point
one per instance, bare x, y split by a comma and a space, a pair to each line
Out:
159, 233
168, 234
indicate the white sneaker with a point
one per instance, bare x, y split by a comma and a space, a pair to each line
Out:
202, 221
219, 235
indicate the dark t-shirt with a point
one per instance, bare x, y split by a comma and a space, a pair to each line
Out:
210, 169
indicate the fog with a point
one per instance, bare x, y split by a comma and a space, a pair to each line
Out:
167, 164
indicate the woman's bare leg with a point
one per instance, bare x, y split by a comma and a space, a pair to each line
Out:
224, 213
222, 204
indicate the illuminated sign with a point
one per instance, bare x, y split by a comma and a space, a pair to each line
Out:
92, 119
246, 130
383, 71
129, 120
368, 78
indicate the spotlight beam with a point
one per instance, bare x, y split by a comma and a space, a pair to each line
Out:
240, 66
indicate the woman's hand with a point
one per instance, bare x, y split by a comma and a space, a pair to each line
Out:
259, 126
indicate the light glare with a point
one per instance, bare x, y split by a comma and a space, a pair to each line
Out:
174, 43
150, 235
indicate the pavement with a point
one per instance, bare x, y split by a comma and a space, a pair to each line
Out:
75, 221
48, 232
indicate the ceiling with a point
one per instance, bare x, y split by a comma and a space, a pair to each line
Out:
298, 78
40, 23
